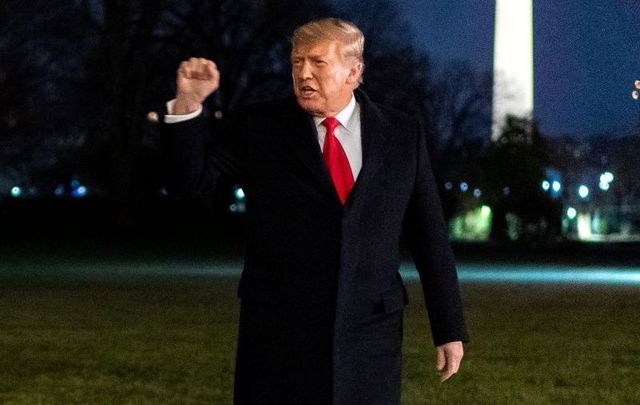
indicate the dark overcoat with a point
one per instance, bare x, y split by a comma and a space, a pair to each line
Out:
321, 295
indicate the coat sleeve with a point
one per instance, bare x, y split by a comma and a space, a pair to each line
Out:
198, 151
427, 237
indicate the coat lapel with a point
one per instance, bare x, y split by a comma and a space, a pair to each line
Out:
301, 134
375, 143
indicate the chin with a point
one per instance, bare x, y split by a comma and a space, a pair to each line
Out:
310, 106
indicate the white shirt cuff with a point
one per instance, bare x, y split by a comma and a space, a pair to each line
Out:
170, 118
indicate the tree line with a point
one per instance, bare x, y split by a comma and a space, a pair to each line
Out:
79, 78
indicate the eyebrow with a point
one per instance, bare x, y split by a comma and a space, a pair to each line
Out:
312, 57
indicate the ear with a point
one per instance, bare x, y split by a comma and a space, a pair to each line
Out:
355, 71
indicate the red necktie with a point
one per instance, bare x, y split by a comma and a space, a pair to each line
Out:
337, 160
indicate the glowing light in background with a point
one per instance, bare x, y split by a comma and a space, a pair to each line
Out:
239, 194
448, 185
546, 185
584, 227
477, 193
239, 205
464, 186
467, 272
606, 179
533, 273
552, 182
583, 191
79, 192
485, 211
16, 192
473, 225
568, 276
571, 213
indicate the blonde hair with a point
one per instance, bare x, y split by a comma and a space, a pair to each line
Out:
333, 29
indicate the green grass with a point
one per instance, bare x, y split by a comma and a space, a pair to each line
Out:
172, 340
535, 344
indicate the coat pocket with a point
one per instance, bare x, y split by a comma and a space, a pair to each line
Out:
394, 299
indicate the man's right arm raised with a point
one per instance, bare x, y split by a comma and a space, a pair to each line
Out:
196, 79
194, 164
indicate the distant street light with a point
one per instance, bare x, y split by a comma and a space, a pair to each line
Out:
546, 185
239, 193
16, 192
238, 206
79, 192
635, 94
485, 211
583, 191
606, 177
605, 181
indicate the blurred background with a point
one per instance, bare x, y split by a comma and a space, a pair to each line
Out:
79, 78
551, 196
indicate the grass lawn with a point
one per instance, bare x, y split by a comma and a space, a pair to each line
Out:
142, 339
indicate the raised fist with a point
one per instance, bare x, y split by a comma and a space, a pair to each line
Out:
196, 79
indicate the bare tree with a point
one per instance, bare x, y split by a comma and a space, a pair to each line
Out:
514, 169
100, 66
249, 40
38, 71
460, 104
139, 46
121, 72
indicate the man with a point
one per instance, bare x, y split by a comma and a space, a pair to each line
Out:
332, 181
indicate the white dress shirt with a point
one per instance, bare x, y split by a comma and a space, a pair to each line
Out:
349, 131
171, 118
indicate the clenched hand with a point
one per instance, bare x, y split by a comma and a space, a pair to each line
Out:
196, 79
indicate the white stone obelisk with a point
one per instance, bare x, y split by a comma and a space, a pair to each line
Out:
512, 62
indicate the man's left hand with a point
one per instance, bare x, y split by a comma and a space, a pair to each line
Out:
449, 357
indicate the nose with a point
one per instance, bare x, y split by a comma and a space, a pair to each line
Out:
304, 71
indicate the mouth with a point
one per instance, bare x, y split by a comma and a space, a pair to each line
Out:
307, 91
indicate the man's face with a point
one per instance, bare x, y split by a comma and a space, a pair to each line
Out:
323, 81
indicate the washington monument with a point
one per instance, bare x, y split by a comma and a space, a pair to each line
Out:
512, 62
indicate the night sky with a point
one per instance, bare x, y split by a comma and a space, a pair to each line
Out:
586, 56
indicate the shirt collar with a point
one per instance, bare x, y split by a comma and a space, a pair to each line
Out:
343, 116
